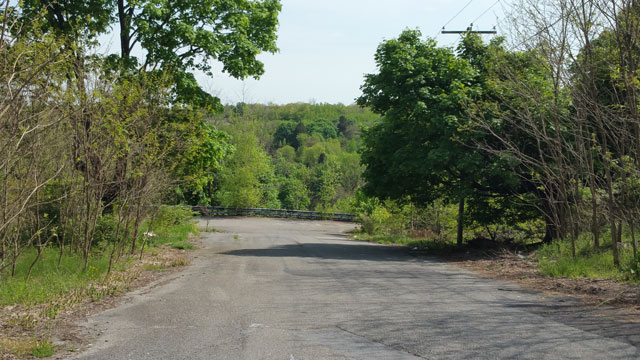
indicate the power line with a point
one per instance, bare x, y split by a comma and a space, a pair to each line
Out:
454, 16
484, 12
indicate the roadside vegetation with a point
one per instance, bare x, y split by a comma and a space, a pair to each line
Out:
91, 145
528, 143
525, 140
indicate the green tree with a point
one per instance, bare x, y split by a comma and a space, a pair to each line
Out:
175, 36
324, 183
293, 194
324, 128
424, 146
246, 178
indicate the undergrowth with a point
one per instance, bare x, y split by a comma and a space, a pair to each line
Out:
556, 259
49, 280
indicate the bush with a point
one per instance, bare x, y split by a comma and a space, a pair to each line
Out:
555, 259
172, 215
105, 230
42, 349
375, 222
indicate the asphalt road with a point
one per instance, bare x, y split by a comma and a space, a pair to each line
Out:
301, 290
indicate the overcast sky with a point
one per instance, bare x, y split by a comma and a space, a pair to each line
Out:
326, 46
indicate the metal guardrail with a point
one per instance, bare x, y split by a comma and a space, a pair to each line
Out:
278, 213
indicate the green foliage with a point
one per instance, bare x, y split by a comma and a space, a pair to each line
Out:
293, 194
168, 216
105, 229
246, 179
313, 165
197, 164
178, 37
324, 183
423, 147
324, 128
43, 349
181, 245
555, 259
374, 222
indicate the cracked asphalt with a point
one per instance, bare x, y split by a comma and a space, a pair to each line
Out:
284, 289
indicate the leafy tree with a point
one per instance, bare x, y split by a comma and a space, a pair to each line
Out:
287, 152
324, 128
176, 36
346, 127
247, 175
285, 134
324, 183
197, 163
423, 148
293, 194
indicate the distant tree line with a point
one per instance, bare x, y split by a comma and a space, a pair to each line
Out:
295, 156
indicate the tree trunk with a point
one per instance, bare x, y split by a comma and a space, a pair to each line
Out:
460, 222
550, 230
632, 226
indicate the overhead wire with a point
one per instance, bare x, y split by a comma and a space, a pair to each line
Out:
454, 16
486, 11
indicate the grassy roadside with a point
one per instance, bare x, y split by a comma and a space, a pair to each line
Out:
29, 309
554, 260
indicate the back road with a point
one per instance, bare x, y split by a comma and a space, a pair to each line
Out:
285, 289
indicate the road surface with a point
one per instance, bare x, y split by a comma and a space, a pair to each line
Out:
284, 289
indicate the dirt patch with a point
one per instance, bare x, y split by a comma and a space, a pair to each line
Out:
607, 296
57, 320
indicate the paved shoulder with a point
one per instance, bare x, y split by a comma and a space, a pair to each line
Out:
283, 289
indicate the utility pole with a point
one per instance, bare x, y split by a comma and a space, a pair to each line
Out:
469, 31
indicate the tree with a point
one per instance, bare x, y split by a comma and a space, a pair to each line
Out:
324, 183
247, 175
293, 194
179, 37
423, 147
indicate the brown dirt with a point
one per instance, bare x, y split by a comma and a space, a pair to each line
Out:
609, 297
57, 320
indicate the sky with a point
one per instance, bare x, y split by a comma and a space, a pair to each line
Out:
327, 46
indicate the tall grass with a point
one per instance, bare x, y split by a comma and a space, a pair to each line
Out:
556, 259
48, 280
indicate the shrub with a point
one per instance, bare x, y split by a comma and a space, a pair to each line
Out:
375, 222
42, 349
172, 215
105, 229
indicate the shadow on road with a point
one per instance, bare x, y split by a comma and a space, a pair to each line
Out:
331, 251
430, 281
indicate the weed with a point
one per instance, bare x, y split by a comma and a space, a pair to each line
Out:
20, 347
42, 349
153, 267
556, 259
182, 245
235, 237
179, 262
